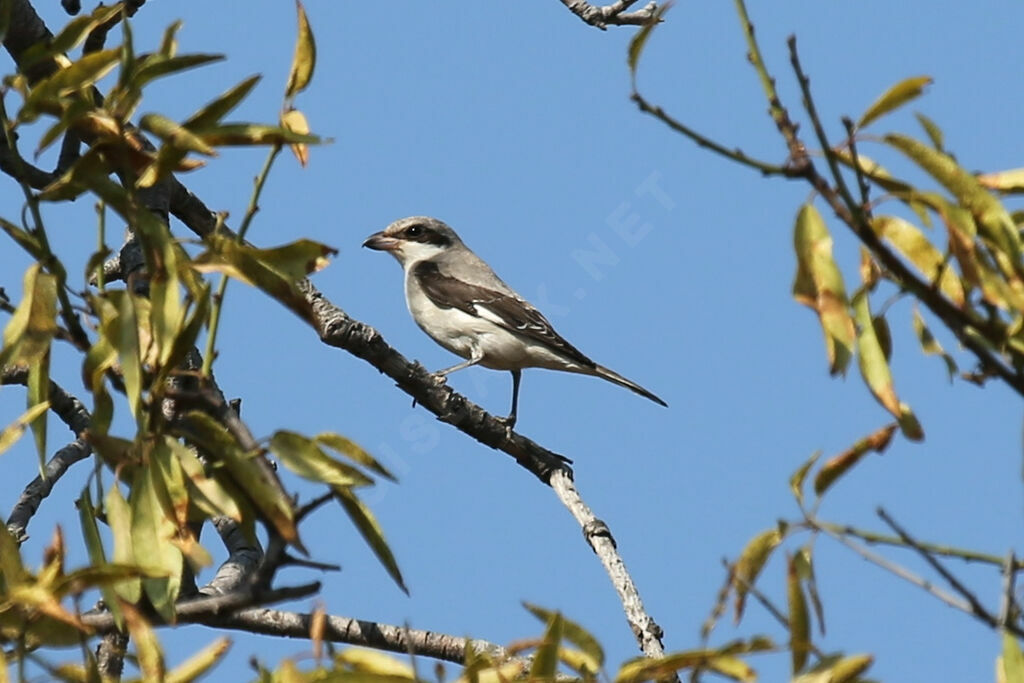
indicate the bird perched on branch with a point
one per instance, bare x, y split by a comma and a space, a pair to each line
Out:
459, 301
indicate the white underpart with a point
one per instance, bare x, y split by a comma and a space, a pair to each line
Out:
480, 336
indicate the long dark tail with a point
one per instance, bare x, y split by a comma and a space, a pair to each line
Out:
612, 376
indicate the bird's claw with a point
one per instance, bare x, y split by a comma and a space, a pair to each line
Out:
508, 422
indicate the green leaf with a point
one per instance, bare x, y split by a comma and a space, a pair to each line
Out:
933, 132
274, 271
796, 481
97, 556
165, 66
245, 134
799, 621
351, 449
304, 59
750, 563
1012, 660
370, 529
575, 634
119, 518
47, 94
819, 285
147, 647
875, 370
301, 455
836, 467
895, 97
11, 569
250, 472
545, 659
174, 134
219, 108
646, 669
639, 40
152, 532
70, 36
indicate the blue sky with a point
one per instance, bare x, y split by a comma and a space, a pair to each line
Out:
511, 121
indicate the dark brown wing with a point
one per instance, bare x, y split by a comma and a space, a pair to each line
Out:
511, 313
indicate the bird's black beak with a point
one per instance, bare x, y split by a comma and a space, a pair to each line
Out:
381, 242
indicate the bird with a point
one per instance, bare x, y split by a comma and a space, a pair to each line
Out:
455, 297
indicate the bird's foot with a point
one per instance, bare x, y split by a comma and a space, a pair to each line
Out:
440, 379
509, 422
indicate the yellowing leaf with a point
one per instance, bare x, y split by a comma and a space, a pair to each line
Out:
931, 346
590, 648
295, 121
799, 621
1007, 182
150, 654
152, 533
374, 662
838, 466
220, 107
545, 659
933, 132
819, 285
12, 432
837, 669
639, 41
353, 451
199, 663
750, 564
895, 97
304, 59
646, 669
119, 519
1012, 659
796, 481
918, 249
992, 216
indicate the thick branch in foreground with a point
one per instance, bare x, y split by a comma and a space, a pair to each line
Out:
354, 632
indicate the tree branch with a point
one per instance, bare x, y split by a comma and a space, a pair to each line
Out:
614, 14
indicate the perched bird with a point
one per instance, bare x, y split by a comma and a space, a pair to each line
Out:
459, 301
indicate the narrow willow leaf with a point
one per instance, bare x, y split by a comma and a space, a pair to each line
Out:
374, 662
147, 647
174, 134
545, 659
799, 621
933, 132
126, 340
913, 245
220, 107
171, 65
805, 569
796, 480
250, 472
152, 532
1008, 182
575, 634
119, 518
97, 556
873, 171
274, 271
836, 467
355, 452
47, 95
370, 529
750, 563
304, 60
639, 40
895, 97
73, 33
931, 346
199, 663
819, 285
301, 455
992, 216
837, 669
645, 669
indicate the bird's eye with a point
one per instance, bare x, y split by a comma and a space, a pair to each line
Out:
414, 230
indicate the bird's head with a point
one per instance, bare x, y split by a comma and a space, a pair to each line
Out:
414, 239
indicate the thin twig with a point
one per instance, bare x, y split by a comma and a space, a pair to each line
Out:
976, 607
1008, 607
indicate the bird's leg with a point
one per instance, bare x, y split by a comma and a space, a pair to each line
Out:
510, 421
459, 366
